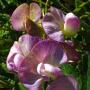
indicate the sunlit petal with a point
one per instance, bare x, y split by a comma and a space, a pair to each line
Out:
19, 15
35, 12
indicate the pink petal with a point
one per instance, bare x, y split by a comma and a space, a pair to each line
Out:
55, 53
18, 59
27, 77
35, 12
27, 72
27, 42
53, 24
50, 52
19, 16
48, 70
63, 83
36, 86
52, 28
13, 51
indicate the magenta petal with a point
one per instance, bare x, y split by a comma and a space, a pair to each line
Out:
27, 42
27, 77
19, 16
63, 83
50, 52
52, 28
27, 71
36, 86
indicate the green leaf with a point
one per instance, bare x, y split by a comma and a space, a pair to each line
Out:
88, 73
80, 5
19, 86
77, 3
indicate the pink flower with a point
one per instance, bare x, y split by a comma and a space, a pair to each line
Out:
56, 24
32, 59
25, 18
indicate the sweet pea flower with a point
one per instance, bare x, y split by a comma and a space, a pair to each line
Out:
56, 24
32, 59
25, 18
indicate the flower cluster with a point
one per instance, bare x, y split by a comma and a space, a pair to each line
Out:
36, 59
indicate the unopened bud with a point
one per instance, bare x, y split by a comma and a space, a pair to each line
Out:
71, 25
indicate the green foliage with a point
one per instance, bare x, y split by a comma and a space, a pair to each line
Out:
81, 70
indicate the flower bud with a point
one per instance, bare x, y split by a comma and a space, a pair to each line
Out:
71, 25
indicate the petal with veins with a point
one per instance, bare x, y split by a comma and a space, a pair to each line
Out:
52, 28
55, 53
50, 52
